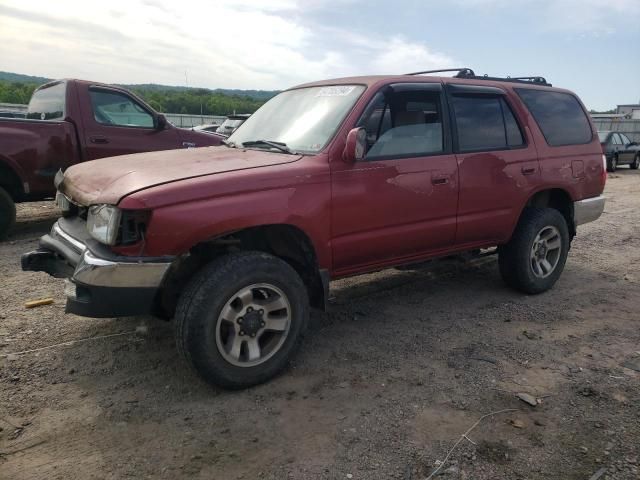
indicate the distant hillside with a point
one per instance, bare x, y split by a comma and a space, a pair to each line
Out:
20, 78
150, 87
257, 94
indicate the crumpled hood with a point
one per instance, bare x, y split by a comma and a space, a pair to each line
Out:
108, 180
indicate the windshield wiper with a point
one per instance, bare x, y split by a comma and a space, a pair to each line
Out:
229, 144
278, 145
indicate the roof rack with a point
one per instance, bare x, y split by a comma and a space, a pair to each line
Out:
468, 73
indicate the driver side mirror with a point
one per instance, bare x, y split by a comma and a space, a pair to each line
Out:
160, 122
633, 144
356, 145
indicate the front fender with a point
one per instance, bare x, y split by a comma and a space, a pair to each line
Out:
175, 229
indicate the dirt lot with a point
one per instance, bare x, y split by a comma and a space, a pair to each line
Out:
384, 385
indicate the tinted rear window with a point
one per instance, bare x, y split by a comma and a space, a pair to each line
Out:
485, 123
47, 103
559, 116
480, 123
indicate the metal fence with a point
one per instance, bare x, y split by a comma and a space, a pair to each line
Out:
631, 128
188, 121
13, 107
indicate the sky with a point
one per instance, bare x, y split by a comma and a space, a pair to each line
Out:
589, 46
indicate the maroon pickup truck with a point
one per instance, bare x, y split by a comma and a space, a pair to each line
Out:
326, 180
71, 121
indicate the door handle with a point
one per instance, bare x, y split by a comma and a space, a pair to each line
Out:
440, 180
100, 139
528, 170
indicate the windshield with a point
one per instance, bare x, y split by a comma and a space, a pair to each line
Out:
303, 119
602, 136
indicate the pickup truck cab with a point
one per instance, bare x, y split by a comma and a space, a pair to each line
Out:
72, 121
326, 180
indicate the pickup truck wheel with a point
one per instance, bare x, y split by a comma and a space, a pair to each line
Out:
7, 213
241, 318
636, 162
534, 258
612, 165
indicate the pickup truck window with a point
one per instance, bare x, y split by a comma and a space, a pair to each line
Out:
113, 108
559, 116
304, 119
485, 123
403, 124
47, 103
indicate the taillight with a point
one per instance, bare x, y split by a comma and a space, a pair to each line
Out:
603, 178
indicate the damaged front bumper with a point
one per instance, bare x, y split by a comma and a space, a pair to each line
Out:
99, 283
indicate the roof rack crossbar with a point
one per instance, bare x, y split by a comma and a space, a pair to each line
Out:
462, 72
535, 79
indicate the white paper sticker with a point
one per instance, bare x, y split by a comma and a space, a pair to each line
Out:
335, 91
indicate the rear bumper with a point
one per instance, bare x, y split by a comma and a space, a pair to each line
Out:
99, 284
588, 210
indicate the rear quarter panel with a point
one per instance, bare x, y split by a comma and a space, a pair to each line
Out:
577, 169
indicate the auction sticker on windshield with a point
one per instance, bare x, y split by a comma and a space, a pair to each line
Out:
336, 91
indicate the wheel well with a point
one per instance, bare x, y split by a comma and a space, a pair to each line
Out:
283, 241
10, 181
558, 199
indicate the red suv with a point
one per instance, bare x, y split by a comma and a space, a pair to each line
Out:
326, 180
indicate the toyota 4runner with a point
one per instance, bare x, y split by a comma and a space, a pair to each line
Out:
326, 180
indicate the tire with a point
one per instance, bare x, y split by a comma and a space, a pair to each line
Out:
206, 337
612, 165
636, 162
520, 259
7, 213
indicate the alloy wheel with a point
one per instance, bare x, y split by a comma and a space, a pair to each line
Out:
253, 325
545, 252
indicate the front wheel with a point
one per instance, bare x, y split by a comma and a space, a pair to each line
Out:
240, 319
534, 258
636, 162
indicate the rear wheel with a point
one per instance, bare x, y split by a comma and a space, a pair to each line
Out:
7, 213
612, 165
534, 258
240, 319
636, 162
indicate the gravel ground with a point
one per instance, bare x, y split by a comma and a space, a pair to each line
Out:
385, 383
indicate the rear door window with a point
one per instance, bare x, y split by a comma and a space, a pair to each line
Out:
485, 123
616, 139
559, 115
47, 103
